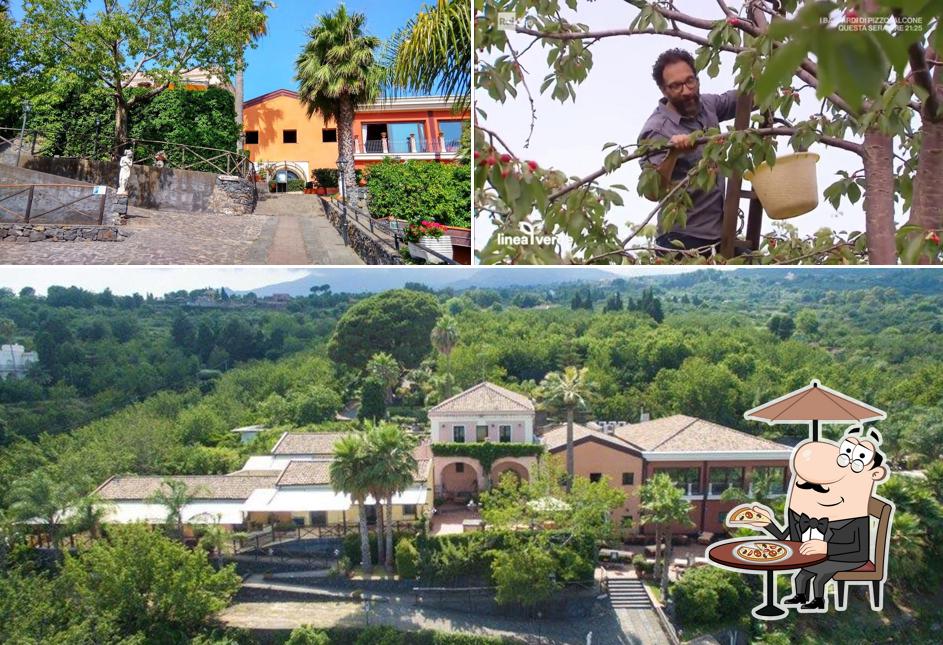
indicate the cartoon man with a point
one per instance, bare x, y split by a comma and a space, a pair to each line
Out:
828, 509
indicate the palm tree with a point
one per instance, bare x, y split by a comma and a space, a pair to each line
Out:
173, 495
568, 390
385, 368
88, 515
663, 504
908, 550
41, 496
445, 338
259, 31
433, 51
349, 475
393, 469
337, 73
213, 538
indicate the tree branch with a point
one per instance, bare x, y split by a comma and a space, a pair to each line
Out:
763, 132
609, 33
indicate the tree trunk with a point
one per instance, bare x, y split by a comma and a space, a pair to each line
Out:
569, 449
239, 99
879, 197
657, 569
389, 533
345, 141
381, 552
664, 569
926, 211
365, 561
121, 125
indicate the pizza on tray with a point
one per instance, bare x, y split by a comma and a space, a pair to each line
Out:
748, 515
762, 551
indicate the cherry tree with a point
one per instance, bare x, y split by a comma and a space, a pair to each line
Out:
871, 63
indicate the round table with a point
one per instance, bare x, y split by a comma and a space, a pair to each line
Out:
723, 553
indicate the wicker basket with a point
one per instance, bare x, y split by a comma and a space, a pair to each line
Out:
789, 188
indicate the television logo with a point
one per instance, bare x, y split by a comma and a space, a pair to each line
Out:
529, 236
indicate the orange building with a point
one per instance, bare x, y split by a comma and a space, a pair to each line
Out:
279, 133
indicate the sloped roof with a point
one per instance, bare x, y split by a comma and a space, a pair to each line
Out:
140, 487
485, 397
681, 433
305, 473
555, 438
307, 443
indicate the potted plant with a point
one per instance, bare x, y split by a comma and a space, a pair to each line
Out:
430, 235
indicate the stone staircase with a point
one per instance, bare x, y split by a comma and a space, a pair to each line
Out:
287, 204
628, 593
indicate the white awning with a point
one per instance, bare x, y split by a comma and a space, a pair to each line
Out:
204, 512
415, 495
300, 500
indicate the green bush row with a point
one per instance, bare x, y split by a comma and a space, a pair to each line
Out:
327, 177
421, 190
384, 635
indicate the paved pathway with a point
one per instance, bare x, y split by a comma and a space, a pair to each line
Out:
278, 233
331, 607
633, 609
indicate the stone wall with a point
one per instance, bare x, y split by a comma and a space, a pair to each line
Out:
148, 187
368, 246
233, 196
51, 198
25, 233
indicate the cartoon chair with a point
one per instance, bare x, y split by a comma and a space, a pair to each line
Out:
873, 571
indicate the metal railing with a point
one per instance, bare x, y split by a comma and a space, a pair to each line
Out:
186, 157
15, 139
405, 146
388, 232
29, 200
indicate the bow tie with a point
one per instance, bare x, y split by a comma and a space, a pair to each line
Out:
805, 522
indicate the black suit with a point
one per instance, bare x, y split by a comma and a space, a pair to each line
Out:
849, 546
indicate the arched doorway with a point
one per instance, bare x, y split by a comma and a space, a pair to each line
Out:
511, 468
458, 479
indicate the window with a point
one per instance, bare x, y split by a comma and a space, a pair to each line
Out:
298, 521
723, 478
289, 136
595, 477
458, 434
318, 518
628, 479
451, 133
460, 467
252, 137
772, 477
505, 434
481, 433
329, 135
409, 509
687, 479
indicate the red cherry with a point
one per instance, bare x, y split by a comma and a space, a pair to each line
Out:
933, 237
851, 14
772, 244
733, 21
505, 158
490, 161
532, 165
477, 155
505, 172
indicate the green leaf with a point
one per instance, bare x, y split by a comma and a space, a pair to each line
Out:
782, 65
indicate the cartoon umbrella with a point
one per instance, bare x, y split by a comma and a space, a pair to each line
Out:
815, 404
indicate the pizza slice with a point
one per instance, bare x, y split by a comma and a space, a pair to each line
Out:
748, 515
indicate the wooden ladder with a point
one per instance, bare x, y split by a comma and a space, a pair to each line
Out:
730, 244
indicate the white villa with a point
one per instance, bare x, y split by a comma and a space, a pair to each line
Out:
15, 361
291, 485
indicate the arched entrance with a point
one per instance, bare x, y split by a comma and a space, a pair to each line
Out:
458, 478
508, 467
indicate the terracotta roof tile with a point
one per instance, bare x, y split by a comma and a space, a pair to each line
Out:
554, 438
307, 443
485, 397
680, 433
138, 487
305, 473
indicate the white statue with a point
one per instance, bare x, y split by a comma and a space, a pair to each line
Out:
125, 171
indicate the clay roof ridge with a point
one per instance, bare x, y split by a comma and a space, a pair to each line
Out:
692, 421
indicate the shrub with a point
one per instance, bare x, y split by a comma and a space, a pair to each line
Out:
307, 635
708, 595
327, 177
295, 185
418, 190
642, 566
407, 558
381, 635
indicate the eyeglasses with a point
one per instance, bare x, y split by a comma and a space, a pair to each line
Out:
857, 465
691, 83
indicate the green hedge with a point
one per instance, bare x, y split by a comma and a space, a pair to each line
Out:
421, 190
486, 452
295, 185
327, 177
710, 596
352, 543
379, 634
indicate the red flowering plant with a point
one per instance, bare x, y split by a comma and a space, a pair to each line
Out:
425, 228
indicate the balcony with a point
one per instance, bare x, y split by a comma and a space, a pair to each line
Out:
411, 147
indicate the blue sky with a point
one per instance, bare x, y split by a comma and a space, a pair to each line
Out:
271, 65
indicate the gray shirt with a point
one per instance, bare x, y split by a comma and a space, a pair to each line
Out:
705, 219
